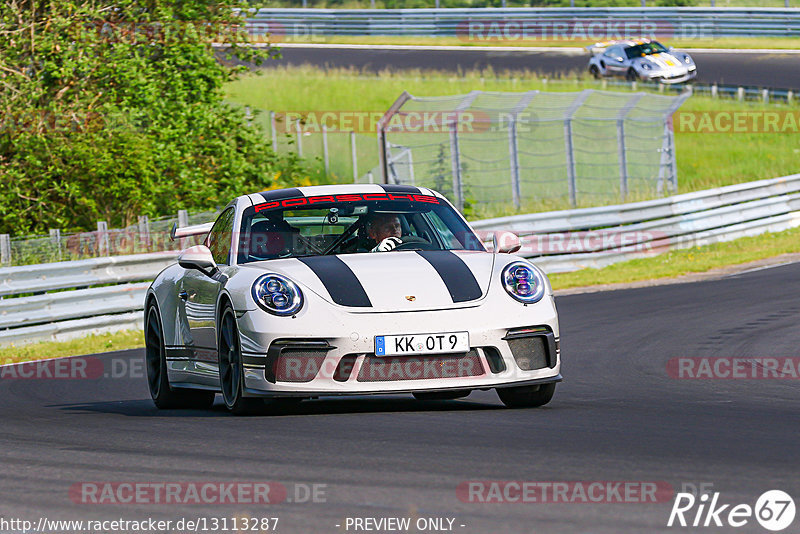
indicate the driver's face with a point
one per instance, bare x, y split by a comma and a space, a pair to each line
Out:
385, 226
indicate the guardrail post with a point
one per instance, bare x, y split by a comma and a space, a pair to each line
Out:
740, 93
55, 240
789, 95
248, 115
103, 245
765, 95
714, 91
273, 131
5, 249
144, 231
325, 150
299, 131
353, 156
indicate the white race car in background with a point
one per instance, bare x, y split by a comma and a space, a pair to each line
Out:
641, 59
290, 296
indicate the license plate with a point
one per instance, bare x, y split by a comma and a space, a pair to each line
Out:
422, 344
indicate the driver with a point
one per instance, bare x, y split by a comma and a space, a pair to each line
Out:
385, 230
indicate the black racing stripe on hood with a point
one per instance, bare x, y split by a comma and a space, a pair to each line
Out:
339, 280
455, 274
395, 188
282, 194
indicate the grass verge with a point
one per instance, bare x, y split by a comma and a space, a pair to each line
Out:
741, 43
680, 262
128, 339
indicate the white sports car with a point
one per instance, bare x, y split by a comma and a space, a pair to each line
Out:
347, 290
641, 59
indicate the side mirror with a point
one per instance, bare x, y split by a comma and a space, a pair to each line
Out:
507, 242
198, 257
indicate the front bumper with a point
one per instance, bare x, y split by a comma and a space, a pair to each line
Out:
288, 362
670, 76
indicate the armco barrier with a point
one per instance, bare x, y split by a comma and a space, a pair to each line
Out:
667, 22
105, 294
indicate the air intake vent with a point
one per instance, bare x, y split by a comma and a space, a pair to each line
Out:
391, 368
529, 352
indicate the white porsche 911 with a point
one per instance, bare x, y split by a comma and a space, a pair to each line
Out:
347, 290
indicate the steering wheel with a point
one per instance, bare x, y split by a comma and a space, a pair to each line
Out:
412, 242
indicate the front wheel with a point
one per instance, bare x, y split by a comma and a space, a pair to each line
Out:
631, 75
595, 72
527, 396
164, 397
231, 375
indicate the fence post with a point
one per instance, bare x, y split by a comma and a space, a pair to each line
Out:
299, 131
513, 145
325, 150
103, 246
273, 131
5, 249
353, 156
789, 95
455, 166
740, 93
765, 95
572, 182
144, 232
714, 91
370, 177
621, 149
248, 115
55, 239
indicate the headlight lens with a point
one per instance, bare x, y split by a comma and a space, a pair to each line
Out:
646, 66
687, 59
523, 282
277, 294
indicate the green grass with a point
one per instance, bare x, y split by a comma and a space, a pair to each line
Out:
680, 262
129, 339
780, 43
704, 160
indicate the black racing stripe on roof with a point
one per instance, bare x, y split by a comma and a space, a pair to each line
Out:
455, 274
340, 281
281, 194
395, 188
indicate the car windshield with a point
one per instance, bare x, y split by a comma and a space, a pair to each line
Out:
349, 224
644, 49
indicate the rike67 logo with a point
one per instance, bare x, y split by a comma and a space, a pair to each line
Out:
774, 510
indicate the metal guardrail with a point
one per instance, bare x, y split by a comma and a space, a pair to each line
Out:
60, 300
666, 22
569, 240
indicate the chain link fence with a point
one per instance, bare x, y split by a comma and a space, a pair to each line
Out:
583, 148
145, 236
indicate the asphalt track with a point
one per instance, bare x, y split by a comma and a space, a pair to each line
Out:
618, 416
774, 70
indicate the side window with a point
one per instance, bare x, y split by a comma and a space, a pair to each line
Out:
219, 238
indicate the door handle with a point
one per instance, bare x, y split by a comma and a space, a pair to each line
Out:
183, 295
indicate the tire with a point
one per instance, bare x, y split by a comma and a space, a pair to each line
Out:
441, 395
527, 396
595, 72
162, 393
231, 375
631, 75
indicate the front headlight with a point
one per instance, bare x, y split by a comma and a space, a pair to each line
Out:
523, 282
277, 294
646, 66
687, 59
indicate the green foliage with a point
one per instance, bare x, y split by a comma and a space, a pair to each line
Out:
111, 109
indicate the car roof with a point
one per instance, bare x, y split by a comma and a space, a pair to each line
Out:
340, 189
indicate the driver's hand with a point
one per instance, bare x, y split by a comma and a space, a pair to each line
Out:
390, 243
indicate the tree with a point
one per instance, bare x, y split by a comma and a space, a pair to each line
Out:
115, 108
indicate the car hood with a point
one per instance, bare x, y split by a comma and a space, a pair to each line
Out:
663, 61
391, 281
